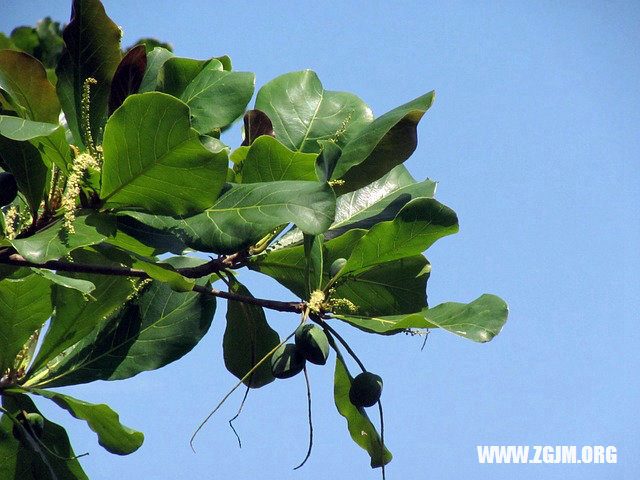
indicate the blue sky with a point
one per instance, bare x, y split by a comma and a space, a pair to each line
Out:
534, 140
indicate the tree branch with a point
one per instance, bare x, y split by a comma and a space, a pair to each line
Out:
193, 272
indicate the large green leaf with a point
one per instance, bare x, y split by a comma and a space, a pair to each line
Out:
247, 339
384, 288
17, 128
154, 160
25, 162
151, 331
245, 213
76, 315
360, 427
480, 320
25, 305
417, 226
92, 50
268, 161
303, 112
217, 97
378, 202
55, 242
155, 59
26, 459
176, 73
112, 435
383, 144
24, 82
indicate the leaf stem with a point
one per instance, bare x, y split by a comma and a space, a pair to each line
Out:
316, 318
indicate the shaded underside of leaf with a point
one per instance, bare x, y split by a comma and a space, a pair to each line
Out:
25, 305
247, 339
153, 330
112, 435
92, 50
27, 460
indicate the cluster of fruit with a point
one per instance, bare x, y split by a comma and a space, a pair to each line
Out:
311, 344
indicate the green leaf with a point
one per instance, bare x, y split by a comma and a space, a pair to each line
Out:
155, 59
382, 289
92, 50
480, 320
128, 76
217, 97
55, 150
163, 272
256, 123
327, 160
145, 240
176, 73
17, 128
83, 286
112, 435
378, 202
151, 331
314, 256
25, 83
416, 227
25, 38
268, 161
76, 315
245, 213
25, 162
26, 459
154, 160
25, 305
51, 44
55, 242
303, 112
385, 143
247, 339
360, 427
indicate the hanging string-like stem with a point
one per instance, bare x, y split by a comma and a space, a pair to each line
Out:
246, 376
306, 378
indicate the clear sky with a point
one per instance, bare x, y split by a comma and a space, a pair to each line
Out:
534, 138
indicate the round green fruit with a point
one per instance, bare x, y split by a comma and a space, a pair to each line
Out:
32, 422
8, 188
287, 361
313, 343
336, 266
365, 389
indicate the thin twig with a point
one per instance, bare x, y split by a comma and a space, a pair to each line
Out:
19, 261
